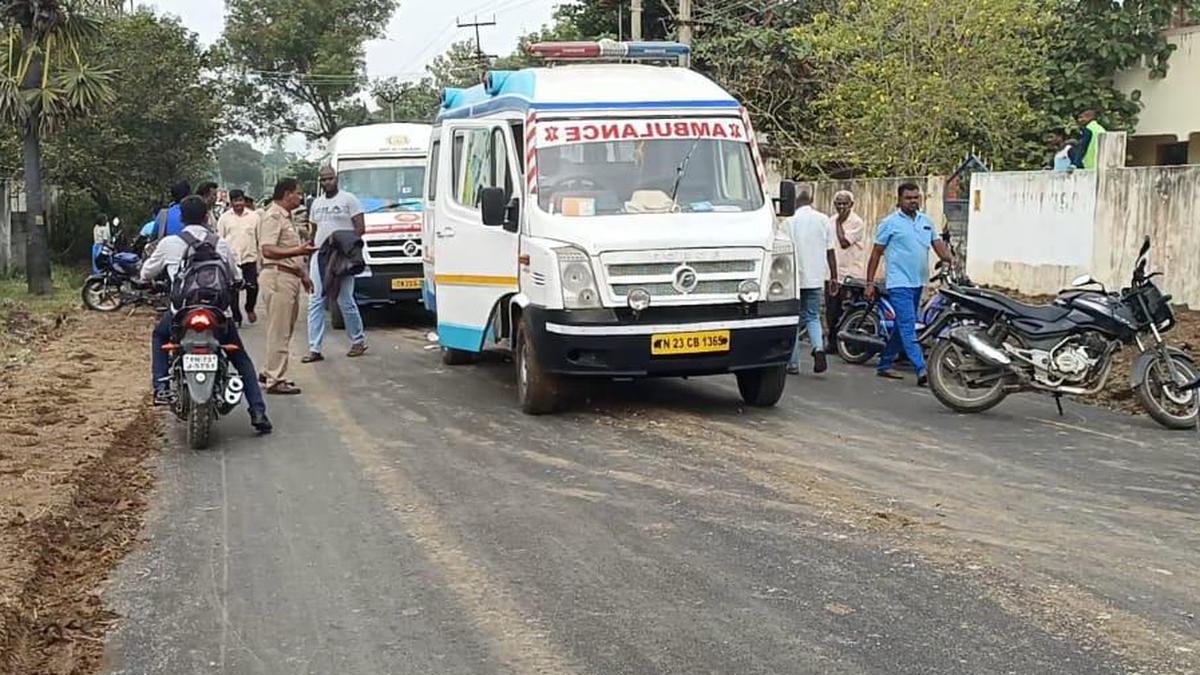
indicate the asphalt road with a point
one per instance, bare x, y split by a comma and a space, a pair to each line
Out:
405, 517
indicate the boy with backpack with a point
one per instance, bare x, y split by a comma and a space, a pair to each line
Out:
202, 271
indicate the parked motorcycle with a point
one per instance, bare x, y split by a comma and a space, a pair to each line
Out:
1065, 348
203, 382
116, 285
867, 324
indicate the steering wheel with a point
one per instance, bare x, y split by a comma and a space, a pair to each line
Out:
577, 182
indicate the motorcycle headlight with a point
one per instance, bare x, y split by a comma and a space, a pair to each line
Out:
781, 281
578, 284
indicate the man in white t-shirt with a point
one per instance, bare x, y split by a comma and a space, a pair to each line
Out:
334, 210
815, 241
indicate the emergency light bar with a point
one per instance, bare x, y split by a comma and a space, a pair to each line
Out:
609, 49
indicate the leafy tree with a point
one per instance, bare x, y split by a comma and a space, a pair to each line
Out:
44, 81
158, 127
241, 166
1095, 40
908, 86
406, 101
297, 65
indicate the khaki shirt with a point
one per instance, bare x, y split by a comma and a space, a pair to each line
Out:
277, 229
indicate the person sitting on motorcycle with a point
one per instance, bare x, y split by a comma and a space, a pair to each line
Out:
169, 256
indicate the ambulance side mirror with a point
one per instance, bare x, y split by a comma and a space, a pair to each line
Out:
786, 204
497, 212
492, 206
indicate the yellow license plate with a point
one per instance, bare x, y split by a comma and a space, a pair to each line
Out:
689, 343
405, 284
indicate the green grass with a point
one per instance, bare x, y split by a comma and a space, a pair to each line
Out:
65, 298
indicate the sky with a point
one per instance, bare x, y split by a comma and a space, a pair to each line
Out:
419, 30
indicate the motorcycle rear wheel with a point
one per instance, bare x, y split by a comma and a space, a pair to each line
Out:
1161, 398
100, 296
945, 360
199, 424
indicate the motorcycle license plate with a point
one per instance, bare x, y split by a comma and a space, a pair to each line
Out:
199, 363
665, 344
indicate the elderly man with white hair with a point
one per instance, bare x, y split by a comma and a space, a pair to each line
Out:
850, 232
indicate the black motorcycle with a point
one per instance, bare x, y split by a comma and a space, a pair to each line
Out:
203, 382
116, 284
1065, 348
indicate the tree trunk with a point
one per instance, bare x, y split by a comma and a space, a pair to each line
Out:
37, 244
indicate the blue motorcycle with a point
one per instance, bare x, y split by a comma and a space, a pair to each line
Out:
867, 325
116, 282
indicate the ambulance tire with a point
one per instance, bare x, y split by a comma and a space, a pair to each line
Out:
762, 388
537, 390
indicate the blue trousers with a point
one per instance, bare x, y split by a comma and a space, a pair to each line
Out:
907, 303
316, 310
810, 318
161, 364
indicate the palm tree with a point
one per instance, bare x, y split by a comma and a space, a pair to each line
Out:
43, 82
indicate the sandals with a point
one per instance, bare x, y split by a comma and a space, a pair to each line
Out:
312, 357
357, 350
283, 389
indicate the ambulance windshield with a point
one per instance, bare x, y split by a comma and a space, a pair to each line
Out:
639, 169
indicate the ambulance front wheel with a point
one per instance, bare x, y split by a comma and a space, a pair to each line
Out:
762, 388
538, 390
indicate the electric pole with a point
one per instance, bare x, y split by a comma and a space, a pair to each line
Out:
480, 57
635, 20
685, 22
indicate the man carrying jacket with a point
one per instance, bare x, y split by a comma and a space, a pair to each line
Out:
333, 211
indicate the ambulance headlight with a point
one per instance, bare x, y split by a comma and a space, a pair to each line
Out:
749, 291
638, 299
781, 282
577, 281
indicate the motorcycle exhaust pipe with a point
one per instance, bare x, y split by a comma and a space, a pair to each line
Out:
864, 341
987, 353
233, 390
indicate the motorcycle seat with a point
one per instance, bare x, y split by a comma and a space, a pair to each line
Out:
1046, 313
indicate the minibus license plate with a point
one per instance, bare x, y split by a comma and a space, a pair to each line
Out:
702, 342
405, 284
199, 363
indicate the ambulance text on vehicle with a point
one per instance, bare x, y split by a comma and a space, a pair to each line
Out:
607, 220
384, 166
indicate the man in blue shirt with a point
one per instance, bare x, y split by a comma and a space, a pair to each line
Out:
168, 221
903, 240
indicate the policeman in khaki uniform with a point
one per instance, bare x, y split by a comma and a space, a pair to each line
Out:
284, 274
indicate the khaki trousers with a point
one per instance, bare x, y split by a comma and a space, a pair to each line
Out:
281, 295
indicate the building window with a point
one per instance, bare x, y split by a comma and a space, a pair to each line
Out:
1172, 154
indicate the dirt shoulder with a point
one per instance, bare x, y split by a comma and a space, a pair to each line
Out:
76, 440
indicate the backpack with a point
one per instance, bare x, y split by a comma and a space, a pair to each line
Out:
203, 277
160, 231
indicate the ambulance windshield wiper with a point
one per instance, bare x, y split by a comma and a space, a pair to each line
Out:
679, 171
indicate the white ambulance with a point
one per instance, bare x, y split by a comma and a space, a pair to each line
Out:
384, 166
607, 220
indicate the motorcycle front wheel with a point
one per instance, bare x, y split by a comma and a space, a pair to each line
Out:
1161, 396
101, 296
948, 367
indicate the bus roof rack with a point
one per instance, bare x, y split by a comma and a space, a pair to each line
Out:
610, 50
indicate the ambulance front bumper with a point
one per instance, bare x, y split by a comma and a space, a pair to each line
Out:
614, 343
